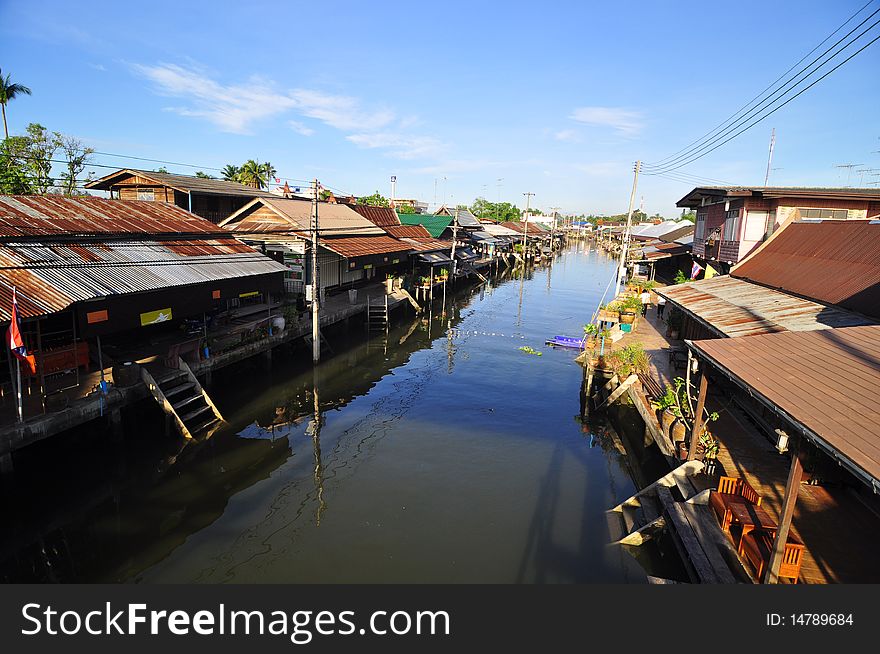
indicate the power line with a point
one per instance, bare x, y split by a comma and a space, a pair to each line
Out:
774, 110
693, 153
772, 84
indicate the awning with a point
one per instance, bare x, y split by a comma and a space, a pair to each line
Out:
434, 258
465, 254
484, 238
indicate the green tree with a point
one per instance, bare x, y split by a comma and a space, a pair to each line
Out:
405, 208
375, 200
229, 173
40, 147
161, 169
252, 173
270, 171
688, 215
9, 91
498, 211
76, 159
202, 175
15, 179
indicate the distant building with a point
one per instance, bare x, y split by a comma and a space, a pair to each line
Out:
212, 199
418, 207
733, 220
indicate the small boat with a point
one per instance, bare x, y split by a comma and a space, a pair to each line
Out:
566, 341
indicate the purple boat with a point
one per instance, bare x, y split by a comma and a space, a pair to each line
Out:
566, 341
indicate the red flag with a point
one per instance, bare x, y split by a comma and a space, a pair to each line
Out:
13, 334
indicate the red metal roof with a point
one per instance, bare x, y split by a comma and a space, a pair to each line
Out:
790, 371
379, 216
407, 231
49, 215
835, 262
361, 246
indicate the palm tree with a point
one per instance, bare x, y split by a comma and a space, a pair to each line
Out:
9, 91
252, 173
270, 171
230, 173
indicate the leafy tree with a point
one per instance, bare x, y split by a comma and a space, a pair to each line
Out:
9, 91
38, 149
229, 172
202, 175
405, 208
270, 171
325, 195
252, 173
688, 215
161, 169
374, 200
76, 158
498, 211
15, 179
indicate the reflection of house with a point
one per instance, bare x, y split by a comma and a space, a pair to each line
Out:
87, 267
212, 199
350, 248
807, 276
733, 220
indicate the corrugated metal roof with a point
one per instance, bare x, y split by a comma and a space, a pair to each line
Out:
296, 215
184, 183
465, 217
694, 198
837, 262
735, 307
123, 247
51, 215
379, 216
500, 230
531, 228
433, 223
407, 231
790, 371
682, 232
357, 246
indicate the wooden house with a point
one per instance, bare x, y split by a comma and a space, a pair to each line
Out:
212, 199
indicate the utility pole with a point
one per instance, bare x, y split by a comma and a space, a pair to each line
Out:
770, 157
621, 271
555, 211
454, 236
393, 189
316, 325
526, 227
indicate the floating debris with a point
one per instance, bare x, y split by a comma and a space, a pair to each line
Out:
529, 350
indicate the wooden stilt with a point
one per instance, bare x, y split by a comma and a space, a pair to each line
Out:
698, 418
795, 474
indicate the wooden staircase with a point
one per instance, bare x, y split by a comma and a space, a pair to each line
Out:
634, 520
378, 316
183, 399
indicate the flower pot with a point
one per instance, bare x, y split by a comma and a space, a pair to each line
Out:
627, 318
679, 431
666, 420
681, 449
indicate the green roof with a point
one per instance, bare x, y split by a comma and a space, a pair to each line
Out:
434, 224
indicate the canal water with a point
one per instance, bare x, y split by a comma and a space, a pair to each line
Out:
444, 453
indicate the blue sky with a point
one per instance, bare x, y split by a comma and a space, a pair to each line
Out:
554, 98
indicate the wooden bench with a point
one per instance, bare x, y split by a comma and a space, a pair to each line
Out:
731, 490
756, 547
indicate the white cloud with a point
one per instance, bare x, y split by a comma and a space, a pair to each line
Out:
300, 128
99, 67
566, 135
399, 145
624, 121
236, 107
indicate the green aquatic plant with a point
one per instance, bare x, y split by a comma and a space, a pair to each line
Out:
529, 350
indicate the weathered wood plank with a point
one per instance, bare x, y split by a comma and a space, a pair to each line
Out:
690, 546
708, 541
647, 414
620, 390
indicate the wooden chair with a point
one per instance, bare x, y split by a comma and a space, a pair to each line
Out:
730, 490
756, 547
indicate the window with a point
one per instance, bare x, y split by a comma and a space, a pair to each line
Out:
731, 226
823, 214
756, 225
700, 228
146, 194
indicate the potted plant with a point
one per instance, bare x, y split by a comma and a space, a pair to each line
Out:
389, 283
425, 281
444, 273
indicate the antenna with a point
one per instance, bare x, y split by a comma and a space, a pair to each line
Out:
849, 169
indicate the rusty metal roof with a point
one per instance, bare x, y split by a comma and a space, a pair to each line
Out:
57, 251
694, 198
296, 215
836, 262
183, 183
50, 215
407, 231
824, 381
361, 246
379, 216
736, 307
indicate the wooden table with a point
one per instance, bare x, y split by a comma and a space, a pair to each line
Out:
751, 517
